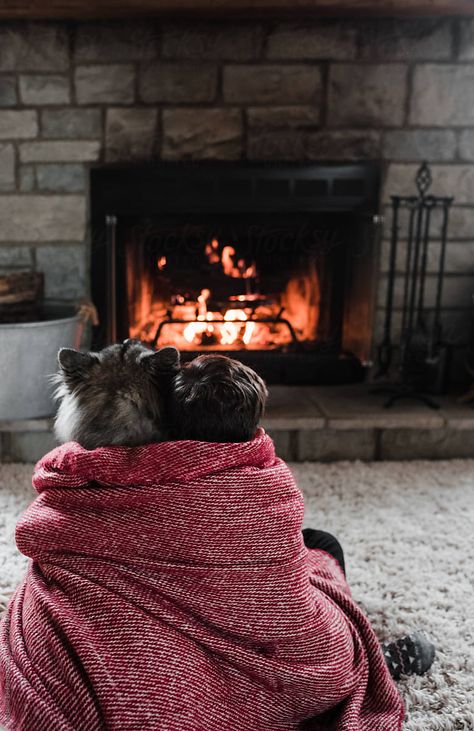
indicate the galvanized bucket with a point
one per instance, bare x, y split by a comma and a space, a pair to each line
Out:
28, 357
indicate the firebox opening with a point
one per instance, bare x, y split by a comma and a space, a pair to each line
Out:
224, 285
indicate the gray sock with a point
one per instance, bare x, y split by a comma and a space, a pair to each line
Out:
409, 655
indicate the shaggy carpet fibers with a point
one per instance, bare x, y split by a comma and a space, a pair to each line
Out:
408, 534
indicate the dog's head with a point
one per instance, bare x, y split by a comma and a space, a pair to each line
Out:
115, 397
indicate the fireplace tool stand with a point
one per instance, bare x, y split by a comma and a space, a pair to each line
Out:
423, 358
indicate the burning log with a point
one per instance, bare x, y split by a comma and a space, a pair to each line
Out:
21, 296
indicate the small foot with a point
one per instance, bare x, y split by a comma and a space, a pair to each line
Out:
410, 655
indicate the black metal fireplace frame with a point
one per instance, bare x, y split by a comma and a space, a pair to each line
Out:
167, 188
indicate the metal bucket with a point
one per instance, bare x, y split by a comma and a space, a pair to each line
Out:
28, 357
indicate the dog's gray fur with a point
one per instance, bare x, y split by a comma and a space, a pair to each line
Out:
115, 397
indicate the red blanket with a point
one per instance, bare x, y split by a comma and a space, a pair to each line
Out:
170, 589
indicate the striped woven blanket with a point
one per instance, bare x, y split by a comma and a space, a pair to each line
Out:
170, 589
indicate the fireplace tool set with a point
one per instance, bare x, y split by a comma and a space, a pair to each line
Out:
422, 357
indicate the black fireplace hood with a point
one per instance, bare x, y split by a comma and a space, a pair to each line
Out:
238, 186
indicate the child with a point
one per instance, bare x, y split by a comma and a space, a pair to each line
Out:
218, 399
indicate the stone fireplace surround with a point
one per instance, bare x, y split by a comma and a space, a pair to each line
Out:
77, 95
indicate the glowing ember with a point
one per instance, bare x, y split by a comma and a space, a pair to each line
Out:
161, 263
212, 252
202, 306
249, 331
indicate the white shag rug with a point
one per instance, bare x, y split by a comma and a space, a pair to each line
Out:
408, 534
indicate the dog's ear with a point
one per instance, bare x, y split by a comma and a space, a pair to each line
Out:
75, 365
163, 362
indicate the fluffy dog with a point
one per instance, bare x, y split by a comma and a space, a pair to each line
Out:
117, 397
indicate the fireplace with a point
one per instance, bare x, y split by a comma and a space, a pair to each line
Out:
272, 264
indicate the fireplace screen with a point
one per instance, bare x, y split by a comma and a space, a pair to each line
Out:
265, 279
245, 285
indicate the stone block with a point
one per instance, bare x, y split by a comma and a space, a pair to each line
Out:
116, 42
29, 446
459, 257
60, 151
367, 95
445, 443
410, 39
40, 424
42, 218
61, 178
350, 407
294, 144
466, 145
455, 324
409, 145
65, 270
285, 443
456, 327
330, 445
33, 47
331, 39
18, 125
291, 408
448, 180
272, 84
461, 221
283, 117
466, 39
281, 144
26, 178
15, 257
131, 134
71, 124
105, 84
457, 291
347, 145
37, 89
457, 416
202, 133
7, 167
8, 95
442, 95
211, 42
178, 83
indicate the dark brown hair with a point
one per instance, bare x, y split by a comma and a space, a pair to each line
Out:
217, 399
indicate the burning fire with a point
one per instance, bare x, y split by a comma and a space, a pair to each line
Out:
250, 319
234, 324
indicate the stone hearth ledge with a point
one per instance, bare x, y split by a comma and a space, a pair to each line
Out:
317, 423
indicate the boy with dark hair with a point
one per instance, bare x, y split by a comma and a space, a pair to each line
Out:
218, 399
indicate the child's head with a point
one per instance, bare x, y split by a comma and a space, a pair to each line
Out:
217, 399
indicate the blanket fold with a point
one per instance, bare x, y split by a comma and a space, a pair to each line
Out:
169, 589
